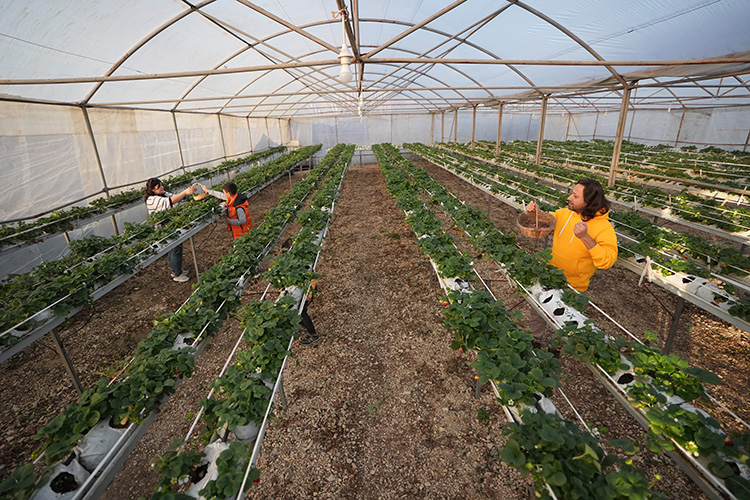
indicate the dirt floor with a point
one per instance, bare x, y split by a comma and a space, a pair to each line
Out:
380, 406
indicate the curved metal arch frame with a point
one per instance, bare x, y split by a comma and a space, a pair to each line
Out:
422, 25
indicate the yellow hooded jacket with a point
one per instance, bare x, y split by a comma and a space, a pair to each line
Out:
571, 256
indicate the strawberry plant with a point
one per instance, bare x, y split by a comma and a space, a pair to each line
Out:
241, 397
571, 462
231, 469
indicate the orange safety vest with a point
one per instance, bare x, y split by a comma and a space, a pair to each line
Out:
238, 231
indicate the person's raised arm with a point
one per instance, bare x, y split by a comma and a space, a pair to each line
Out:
176, 198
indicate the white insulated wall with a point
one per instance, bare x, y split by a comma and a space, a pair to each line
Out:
48, 158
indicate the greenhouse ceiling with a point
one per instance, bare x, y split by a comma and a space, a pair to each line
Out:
285, 58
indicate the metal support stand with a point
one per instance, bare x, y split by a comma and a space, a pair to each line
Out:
673, 329
290, 178
478, 392
282, 395
114, 224
195, 258
66, 361
489, 205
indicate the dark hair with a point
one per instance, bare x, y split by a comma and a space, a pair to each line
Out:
230, 187
151, 184
593, 195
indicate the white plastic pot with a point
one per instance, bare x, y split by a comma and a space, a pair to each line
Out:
246, 433
181, 341
96, 444
212, 452
56, 488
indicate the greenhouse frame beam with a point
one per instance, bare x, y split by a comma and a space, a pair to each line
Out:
394, 60
540, 136
289, 25
464, 41
414, 28
499, 127
233, 30
570, 34
618, 139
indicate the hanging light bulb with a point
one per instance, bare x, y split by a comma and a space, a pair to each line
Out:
345, 58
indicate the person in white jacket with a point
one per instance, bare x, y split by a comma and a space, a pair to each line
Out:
157, 200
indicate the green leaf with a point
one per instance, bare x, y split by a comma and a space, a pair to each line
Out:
512, 454
625, 445
557, 479
739, 486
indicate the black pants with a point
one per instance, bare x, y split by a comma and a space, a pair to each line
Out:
306, 322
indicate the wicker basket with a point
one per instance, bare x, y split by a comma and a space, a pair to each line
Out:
536, 224
200, 196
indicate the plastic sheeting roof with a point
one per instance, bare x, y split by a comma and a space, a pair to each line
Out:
280, 58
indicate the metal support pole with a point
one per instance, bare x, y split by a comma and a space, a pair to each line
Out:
221, 134
249, 134
673, 329
540, 137
567, 127
499, 127
679, 129
282, 395
195, 258
290, 177
66, 361
442, 126
432, 129
179, 143
455, 126
618, 139
98, 161
596, 123
473, 124
478, 392
114, 224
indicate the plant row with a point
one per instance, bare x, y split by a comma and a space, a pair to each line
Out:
553, 451
234, 412
62, 220
688, 206
662, 386
710, 166
70, 282
158, 363
674, 251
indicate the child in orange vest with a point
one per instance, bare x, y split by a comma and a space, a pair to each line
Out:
236, 206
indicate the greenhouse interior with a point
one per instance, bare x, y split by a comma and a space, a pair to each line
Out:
447, 249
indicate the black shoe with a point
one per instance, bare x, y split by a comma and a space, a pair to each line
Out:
310, 339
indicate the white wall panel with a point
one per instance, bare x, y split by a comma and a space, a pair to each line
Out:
200, 139
47, 156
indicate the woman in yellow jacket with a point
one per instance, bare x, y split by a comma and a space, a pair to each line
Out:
584, 239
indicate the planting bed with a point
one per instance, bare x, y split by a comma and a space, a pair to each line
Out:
35, 384
380, 406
